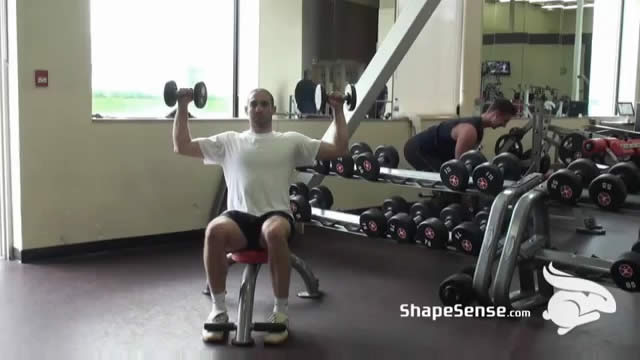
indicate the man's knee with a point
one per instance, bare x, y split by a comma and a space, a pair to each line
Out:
219, 230
276, 231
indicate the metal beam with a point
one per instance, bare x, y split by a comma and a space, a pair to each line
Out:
395, 46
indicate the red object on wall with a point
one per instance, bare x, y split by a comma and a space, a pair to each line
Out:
42, 78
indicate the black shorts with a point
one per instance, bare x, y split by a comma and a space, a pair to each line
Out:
251, 225
416, 156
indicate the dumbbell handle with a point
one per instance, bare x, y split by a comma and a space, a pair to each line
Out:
388, 214
316, 203
448, 223
483, 226
469, 166
418, 218
580, 175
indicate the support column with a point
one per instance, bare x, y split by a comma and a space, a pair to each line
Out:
471, 79
577, 53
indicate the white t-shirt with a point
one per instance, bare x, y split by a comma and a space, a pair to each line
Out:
258, 168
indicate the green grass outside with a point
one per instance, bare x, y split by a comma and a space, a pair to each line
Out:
152, 106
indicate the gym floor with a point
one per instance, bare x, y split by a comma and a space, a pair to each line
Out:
148, 303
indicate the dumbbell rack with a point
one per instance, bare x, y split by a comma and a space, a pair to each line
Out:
527, 246
413, 178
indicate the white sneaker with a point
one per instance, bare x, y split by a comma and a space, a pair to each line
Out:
215, 318
279, 337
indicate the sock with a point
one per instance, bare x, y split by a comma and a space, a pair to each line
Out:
281, 305
219, 304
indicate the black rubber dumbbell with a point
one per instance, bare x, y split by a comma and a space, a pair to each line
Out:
374, 222
566, 184
434, 232
299, 188
369, 164
468, 236
350, 97
457, 289
489, 177
609, 191
199, 94
345, 165
455, 173
320, 166
319, 197
625, 271
403, 226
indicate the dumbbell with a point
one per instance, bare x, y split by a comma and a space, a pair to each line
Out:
373, 222
403, 226
299, 188
489, 177
468, 236
350, 97
320, 166
369, 164
434, 232
609, 190
319, 197
457, 289
566, 184
455, 173
344, 166
625, 271
199, 94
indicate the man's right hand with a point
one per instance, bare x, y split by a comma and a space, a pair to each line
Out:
185, 96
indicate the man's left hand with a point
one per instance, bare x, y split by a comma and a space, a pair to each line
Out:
336, 100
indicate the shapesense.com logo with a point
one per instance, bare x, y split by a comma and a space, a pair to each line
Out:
459, 311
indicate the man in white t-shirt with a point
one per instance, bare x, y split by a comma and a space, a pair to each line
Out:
258, 165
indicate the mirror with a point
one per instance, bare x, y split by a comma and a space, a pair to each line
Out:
528, 54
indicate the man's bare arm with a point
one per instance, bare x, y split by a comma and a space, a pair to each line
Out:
182, 142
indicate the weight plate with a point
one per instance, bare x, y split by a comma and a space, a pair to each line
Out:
516, 147
344, 166
373, 223
565, 186
402, 228
387, 156
626, 271
467, 237
488, 178
367, 166
454, 175
571, 148
299, 188
608, 192
510, 164
629, 173
359, 148
319, 98
170, 93
300, 208
433, 233
200, 95
351, 97
323, 196
586, 168
457, 289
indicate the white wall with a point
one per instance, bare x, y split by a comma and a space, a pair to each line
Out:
248, 51
629, 53
604, 59
427, 81
280, 48
471, 56
15, 37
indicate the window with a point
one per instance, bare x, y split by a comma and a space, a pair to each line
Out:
139, 45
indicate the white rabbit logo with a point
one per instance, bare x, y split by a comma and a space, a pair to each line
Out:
575, 301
